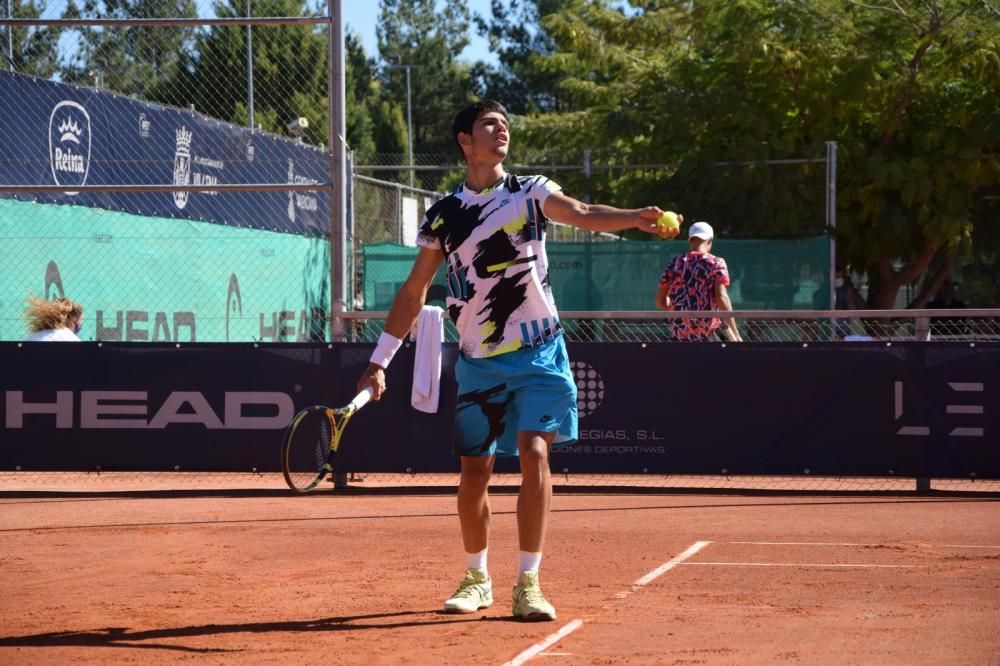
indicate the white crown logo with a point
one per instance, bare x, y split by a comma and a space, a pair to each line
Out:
183, 139
69, 131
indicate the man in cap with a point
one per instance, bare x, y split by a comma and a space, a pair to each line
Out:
698, 280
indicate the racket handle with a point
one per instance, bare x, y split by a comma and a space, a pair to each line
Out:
361, 399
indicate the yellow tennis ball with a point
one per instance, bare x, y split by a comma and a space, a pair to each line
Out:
668, 222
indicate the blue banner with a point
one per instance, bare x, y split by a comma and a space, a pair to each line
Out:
58, 134
832, 409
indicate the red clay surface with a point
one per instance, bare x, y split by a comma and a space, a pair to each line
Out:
272, 579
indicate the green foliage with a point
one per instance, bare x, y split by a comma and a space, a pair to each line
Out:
360, 89
32, 49
131, 60
908, 90
518, 39
419, 34
289, 71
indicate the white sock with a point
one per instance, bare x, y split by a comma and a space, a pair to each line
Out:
477, 560
528, 562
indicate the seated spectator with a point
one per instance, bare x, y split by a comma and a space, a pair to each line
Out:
57, 320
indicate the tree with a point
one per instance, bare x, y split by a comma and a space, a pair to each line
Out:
289, 70
34, 49
929, 147
131, 60
361, 89
414, 32
907, 89
516, 36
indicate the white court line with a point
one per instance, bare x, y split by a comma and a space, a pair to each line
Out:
796, 564
545, 643
848, 544
801, 543
662, 569
572, 626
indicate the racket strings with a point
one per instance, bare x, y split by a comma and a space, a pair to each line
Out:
307, 454
321, 443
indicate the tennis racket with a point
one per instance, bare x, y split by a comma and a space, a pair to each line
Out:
312, 439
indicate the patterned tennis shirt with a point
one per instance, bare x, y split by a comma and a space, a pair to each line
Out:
499, 296
690, 279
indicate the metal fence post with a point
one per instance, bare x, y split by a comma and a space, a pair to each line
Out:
922, 328
336, 129
831, 225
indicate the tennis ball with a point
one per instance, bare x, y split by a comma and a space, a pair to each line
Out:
668, 222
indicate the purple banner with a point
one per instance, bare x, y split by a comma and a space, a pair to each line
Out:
836, 409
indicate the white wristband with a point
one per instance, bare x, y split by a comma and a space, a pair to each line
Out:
386, 348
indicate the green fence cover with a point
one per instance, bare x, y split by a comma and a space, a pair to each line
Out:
624, 275
158, 279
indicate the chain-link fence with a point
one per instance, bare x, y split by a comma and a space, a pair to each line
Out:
771, 217
563, 481
755, 193
165, 167
885, 326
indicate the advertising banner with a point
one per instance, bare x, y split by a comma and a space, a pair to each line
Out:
148, 279
59, 134
838, 409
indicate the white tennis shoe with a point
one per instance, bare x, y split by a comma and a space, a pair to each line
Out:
475, 592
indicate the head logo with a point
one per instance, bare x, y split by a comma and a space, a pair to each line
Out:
182, 166
69, 143
589, 387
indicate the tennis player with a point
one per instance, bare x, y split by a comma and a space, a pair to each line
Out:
516, 394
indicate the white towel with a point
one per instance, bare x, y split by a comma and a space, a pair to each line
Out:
427, 359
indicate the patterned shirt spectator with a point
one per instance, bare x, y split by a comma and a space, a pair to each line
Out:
695, 281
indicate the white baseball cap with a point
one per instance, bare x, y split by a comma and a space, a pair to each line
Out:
701, 230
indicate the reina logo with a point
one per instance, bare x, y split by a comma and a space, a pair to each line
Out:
182, 166
69, 143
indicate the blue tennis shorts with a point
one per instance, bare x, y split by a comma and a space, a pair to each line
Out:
530, 389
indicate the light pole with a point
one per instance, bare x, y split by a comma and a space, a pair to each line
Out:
409, 116
250, 118
10, 41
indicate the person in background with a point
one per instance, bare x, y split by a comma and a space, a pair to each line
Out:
516, 393
845, 298
57, 320
947, 298
698, 280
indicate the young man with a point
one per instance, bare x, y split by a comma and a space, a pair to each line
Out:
515, 390
697, 280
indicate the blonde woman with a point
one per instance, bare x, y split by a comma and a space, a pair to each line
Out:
57, 320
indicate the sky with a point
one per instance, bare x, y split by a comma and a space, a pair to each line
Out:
362, 15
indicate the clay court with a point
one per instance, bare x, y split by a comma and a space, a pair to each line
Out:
260, 577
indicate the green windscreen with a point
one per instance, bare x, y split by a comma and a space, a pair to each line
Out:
624, 275
161, 280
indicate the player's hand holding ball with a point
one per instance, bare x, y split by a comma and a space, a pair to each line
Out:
669, 223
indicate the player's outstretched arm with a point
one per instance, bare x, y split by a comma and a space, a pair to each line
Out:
402, 315
597, 217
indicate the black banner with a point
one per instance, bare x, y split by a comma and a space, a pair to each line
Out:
832, 409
